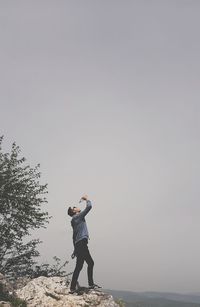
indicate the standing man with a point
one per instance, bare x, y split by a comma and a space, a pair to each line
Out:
80, 240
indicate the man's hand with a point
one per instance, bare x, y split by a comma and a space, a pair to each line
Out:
84, 197
73, 255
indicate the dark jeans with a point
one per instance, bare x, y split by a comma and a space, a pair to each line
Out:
82, 254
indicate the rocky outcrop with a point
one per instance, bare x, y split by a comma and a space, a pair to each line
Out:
5, 304
53, 292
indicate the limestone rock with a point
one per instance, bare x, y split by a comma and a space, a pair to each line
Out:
21, 282
4, 304
53, 292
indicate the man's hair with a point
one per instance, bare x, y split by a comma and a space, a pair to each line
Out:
70, 211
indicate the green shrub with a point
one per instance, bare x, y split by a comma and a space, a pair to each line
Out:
17, 302
120, 302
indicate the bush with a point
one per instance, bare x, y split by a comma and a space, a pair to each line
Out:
21, 197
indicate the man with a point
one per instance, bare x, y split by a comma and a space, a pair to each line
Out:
80, 240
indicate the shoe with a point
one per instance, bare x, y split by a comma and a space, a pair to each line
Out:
72, 291
94, 286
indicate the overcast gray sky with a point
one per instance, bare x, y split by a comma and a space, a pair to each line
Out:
105, 95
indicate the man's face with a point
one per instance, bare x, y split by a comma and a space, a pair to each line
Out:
76, 210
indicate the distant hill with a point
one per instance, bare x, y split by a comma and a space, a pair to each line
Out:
161, 303
156, 299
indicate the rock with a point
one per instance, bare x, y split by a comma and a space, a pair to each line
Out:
53, 292
21, 282
4, 304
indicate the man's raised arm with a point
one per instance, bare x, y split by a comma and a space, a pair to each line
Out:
83, 213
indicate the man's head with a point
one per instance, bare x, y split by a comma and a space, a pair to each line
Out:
73, 210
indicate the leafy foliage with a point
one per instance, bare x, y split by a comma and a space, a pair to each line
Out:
21, 198
5, 296
120, 302
48, 270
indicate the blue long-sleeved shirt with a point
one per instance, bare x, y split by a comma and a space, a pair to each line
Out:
79, 225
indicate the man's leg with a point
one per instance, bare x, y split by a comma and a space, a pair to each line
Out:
78, 268
90, 263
